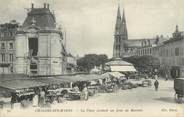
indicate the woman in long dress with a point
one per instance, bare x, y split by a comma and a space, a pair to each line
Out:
85, 91
42, 98
35, 100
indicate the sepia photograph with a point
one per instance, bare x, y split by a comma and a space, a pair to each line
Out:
86, 58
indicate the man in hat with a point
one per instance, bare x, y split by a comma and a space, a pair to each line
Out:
156, 83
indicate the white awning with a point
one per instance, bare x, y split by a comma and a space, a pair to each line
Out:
123, 68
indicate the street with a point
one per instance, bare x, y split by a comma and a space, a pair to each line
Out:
137, 101
140, 96
141, 100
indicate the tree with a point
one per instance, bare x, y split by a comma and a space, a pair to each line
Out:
89, 61
143, 62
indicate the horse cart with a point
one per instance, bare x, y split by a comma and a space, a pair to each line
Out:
179, 89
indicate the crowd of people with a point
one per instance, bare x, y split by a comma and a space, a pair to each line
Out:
40, 97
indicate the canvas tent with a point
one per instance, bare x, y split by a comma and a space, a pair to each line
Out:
18, 84
79, 78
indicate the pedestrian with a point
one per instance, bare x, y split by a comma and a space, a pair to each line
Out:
35, 100
166, 77
100, 81
76, 88
42, 98
156, 77
85, 91
13, 99
156, 84
146, 76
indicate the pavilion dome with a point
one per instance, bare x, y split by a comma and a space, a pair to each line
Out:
118, 62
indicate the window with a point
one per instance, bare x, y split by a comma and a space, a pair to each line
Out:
11, 57
2, 46
176, 51
11, 34
167, 53
118, 40
150, 50
2, 35
33, 46
118, 47
3, 57
182, 61
160, 52
10, 45
143, 52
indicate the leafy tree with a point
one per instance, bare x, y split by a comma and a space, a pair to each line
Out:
89, 61
143, 62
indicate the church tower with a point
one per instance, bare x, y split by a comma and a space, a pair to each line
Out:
120, 35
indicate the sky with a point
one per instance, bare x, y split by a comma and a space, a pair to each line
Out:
89, 24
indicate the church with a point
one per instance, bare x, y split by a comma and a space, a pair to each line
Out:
124, 47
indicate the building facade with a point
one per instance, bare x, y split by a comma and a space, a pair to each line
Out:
151, 46
170, 54
7, 46
168, 51
71, 64
39, 44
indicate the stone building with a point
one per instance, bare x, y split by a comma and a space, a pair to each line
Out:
171, 54
150, 46
39, 44
7, 46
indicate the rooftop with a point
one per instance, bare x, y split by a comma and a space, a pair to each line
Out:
8, 30
41, 17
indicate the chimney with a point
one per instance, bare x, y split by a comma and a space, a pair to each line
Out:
44, 5
48, 6
32, 6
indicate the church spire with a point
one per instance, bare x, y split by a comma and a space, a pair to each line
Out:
118, 12
123, 16
117, 37
118, 22
123, 30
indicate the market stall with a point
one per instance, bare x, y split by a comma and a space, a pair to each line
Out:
112, 81
21, 86
92, 82
21, 90
56, 88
